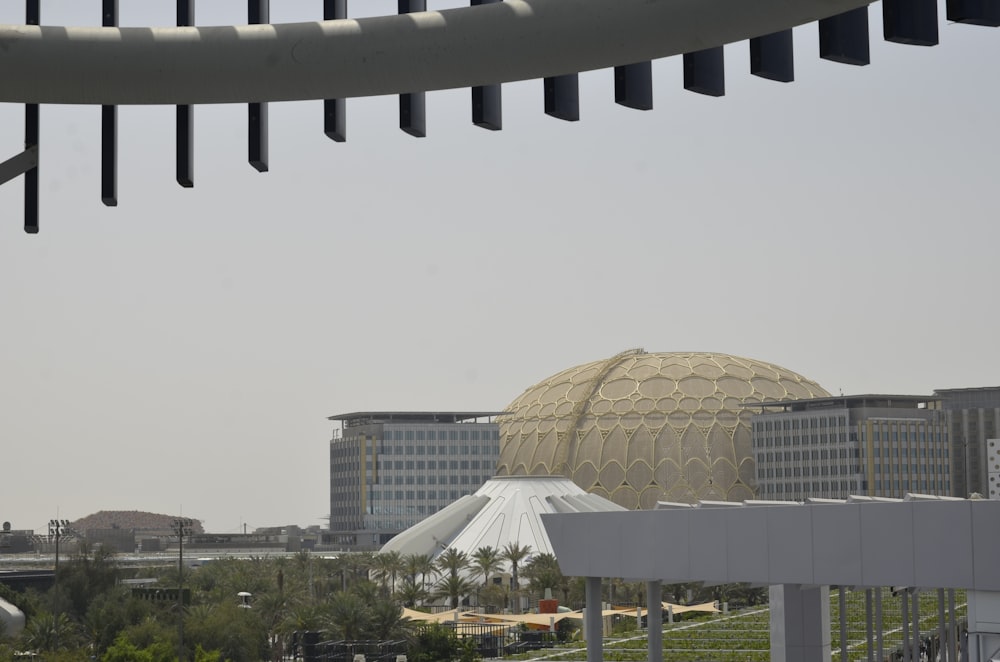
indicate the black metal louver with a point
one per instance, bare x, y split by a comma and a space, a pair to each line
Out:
844, 38
772, 57
109, 125
258, 12
413, 105
705, 72
634, 85
562, 97
335, 110
487, 105
913, 22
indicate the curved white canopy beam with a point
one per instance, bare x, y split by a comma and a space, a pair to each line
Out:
513, 40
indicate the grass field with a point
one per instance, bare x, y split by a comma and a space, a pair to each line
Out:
745, 636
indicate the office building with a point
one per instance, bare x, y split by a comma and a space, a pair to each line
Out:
389, 470
874, 445
973, 417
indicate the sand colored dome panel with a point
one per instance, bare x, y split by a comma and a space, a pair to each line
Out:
640, 427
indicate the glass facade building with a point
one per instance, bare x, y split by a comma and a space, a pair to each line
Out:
869, 445
389, 470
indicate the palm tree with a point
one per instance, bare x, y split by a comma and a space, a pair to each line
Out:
396, 564
452, 561
386, 622
487, 560
454, 587
514, 554
410, 593
543, 573
348, 615
419, 564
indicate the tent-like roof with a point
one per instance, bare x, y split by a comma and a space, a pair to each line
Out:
502, 511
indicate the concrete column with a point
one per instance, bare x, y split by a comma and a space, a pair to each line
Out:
593, 622
654, 621
984, 626
800, 623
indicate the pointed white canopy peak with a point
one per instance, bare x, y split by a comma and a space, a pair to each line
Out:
504, 510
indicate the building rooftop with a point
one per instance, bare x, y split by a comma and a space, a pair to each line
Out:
848, 401
368, 417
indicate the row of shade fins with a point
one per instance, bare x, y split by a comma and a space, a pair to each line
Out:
843, 38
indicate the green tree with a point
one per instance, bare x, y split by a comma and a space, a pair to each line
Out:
46, 632
387, 566
453, 587
439, 643
543, 573
123, 650
515, 553
348, 615
237, 633
419, 564
486, 561
411, 593
386, 622
108, 614
452, 562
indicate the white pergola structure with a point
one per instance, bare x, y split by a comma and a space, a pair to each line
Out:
799, 550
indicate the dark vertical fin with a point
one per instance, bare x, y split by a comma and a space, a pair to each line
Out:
913, 22
258, 12
335, 110
109, 126
412, 106
772, 56
705, 72
185, 114
634, 85
562, 97
844, 38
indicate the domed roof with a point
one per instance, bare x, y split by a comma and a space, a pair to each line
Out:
645, 427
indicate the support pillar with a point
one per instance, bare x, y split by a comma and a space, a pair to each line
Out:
654, 621
800, 623
593, 620
984, 626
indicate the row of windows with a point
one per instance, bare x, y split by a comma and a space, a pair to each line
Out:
440, 449
431, 479
824, 454
431, 465
802, 423
442, 435
795, 472
814, 487
815, 455
383, 496
801, 440
880, 434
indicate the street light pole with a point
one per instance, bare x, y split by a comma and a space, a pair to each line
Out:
56, 529
182, 527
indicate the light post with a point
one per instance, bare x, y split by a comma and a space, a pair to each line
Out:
56, 528
182, 527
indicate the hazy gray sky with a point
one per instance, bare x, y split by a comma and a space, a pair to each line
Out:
182, 351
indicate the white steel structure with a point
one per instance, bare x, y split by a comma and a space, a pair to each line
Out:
799, 550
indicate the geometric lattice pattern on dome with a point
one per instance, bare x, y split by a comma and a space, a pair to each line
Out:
641, 427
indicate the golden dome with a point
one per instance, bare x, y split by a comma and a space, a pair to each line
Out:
640, 428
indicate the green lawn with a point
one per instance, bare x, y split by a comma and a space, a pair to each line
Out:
745, 636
